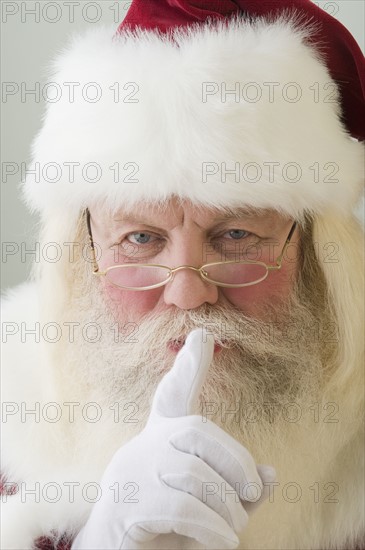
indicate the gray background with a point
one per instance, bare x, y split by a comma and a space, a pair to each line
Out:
27, 47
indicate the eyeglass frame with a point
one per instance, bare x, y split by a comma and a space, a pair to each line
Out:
172, 271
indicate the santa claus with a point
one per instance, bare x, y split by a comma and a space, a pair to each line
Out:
188, 372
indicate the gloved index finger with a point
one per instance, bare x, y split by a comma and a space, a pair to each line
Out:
179, 390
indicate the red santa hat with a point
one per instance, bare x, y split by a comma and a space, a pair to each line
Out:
340, 51
221, 102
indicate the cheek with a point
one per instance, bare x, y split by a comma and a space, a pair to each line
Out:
276, 287
129, 305
126, 305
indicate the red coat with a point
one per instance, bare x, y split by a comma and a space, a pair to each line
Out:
42, 543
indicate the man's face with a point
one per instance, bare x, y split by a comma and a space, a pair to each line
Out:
183, 234
266, 350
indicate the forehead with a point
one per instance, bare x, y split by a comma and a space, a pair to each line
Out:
174, 211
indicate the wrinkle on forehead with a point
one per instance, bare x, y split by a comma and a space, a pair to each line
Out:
177, 211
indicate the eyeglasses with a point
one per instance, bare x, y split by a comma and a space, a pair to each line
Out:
228, 274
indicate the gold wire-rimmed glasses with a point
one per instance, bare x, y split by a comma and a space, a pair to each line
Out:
228, 274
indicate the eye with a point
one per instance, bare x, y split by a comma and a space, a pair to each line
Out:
237, 234
141, 238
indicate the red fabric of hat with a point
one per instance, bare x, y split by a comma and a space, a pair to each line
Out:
342, 54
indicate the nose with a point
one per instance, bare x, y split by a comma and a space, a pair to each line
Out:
187, 290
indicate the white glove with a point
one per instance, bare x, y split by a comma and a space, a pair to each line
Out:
184, 473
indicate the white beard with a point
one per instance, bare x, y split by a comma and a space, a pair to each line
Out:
262, 367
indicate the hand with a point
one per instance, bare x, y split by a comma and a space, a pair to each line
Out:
174, 463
